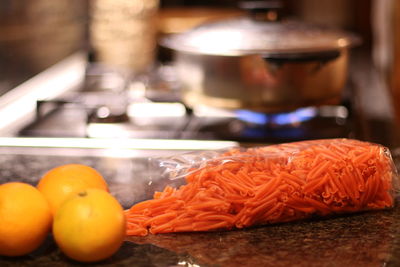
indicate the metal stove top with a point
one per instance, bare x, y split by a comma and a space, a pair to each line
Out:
77, 115
108, 104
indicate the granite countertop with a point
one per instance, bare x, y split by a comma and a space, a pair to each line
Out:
363, 239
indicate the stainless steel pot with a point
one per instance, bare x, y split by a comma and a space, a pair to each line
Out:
261, 63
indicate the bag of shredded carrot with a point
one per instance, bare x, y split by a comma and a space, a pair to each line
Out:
239, 187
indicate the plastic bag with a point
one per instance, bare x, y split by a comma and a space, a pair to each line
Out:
241, 187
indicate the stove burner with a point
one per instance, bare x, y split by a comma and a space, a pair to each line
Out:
250, 126
106, 114
279, 119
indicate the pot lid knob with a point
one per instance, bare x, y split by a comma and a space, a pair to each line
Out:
268, 11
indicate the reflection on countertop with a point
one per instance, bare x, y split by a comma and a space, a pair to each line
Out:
367, 239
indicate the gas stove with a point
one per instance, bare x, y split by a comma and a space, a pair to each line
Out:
172, 120
107, 107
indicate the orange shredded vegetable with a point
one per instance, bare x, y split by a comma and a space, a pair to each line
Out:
271, 184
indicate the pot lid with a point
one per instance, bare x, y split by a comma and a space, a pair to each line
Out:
250, 35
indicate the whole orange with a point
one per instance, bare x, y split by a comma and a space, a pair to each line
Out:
58, 183
89, 226
25, 218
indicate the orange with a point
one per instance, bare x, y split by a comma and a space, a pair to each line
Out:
25, 218
89, 226
58, 183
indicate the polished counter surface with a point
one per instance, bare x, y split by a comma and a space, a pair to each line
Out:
363, 239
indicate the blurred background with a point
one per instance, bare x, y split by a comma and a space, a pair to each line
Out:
123, 37
37, 34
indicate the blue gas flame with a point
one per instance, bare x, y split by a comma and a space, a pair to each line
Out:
287, 118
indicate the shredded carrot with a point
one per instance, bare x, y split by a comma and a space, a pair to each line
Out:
277, 183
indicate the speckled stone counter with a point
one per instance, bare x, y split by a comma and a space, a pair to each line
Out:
364, 239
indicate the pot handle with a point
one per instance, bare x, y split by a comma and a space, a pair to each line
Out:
283, 58
268, 11
275, 62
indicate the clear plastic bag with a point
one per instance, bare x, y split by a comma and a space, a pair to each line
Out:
238, 187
